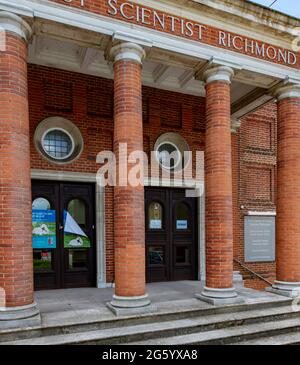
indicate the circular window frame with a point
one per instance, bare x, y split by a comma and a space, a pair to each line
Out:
44, 199
65, 132
65, 126
169, 168
177, 141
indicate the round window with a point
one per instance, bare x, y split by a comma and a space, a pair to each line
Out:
58, 144
168, 155
172, 152
58, 140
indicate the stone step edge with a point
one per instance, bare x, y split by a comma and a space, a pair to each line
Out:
223, 336
163, 328
156, 316
277, 340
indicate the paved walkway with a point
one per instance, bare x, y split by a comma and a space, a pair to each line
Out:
76, 306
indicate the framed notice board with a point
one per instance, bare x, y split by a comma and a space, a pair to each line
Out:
259, 238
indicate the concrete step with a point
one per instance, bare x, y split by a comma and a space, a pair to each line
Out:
171, 314
174, 330
117, 322
278, 340
258, 332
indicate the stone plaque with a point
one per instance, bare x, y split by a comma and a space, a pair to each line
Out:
259, 239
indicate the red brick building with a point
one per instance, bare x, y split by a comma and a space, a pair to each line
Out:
217, 79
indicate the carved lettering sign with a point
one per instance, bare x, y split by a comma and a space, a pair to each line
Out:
179, 26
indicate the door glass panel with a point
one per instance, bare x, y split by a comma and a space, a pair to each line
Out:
76, 208
181, 216
41, 204
42, 260
78, 259
155, 216
183, 255
156, 255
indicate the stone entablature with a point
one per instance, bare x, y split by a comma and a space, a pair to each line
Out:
180, 25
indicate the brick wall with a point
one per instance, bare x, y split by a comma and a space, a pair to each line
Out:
87, 102
256, 172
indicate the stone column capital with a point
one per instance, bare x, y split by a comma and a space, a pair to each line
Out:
11, 22
218, 73
287, 91
235, 125
127, 51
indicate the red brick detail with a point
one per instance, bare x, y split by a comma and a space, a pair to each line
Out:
262, 174
16, 264
288, 191
171, 113
58, 96
218, 187
129, 217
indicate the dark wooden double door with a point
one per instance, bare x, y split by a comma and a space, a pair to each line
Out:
61, 267
171, 235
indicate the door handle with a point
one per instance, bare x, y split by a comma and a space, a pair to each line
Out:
61, 227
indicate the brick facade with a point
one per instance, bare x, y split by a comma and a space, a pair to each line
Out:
256, 146
187, 118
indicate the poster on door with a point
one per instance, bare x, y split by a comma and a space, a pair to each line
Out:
44, 229
74, 237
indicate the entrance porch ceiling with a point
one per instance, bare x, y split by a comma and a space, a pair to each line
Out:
77, 50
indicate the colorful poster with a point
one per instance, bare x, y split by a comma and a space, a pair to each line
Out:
74, 237
43, 229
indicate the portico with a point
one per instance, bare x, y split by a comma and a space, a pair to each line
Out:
137, 47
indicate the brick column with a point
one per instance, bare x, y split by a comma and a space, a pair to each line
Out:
288, 192
218, 189
16, 261
129, 217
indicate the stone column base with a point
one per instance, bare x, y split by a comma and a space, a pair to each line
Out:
19, 317
126, 306
286, 289
238, 278
219, 297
